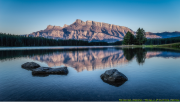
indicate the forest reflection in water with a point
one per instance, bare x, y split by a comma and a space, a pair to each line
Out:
89, 58
140, 54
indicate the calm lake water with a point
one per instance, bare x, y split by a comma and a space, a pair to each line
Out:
151, 73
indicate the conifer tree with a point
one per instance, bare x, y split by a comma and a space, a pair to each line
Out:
140, 36
128, 38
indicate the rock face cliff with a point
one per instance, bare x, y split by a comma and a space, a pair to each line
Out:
89, 31
93, 31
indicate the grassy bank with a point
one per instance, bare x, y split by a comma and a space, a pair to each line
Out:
172, 45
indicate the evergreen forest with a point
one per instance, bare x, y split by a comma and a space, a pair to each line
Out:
19, 40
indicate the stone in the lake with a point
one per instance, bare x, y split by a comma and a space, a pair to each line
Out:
47, 70
114, 77
30, 65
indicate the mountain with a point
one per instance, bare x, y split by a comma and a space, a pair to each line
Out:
162, 35
93, 31
89, 31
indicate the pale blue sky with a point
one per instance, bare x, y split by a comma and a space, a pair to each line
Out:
27, 16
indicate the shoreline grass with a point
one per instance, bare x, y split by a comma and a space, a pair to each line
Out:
172, 45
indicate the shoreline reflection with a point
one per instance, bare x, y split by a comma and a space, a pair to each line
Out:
90, 58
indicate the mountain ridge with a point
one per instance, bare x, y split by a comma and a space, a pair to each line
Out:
163, 34
80, 30
93, 31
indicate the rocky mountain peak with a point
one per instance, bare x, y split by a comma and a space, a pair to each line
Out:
92, 31
88, 30
50, 27
65, 25
78, 21
94, 23
101, 25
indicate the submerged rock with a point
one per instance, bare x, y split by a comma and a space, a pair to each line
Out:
114, 77
47, 70
30, 65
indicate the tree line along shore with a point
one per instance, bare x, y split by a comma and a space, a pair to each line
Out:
138, 40
8, 40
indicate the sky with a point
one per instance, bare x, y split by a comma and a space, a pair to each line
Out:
27, 16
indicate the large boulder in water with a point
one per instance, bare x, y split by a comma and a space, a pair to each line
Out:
47, 70
29, 65
113, 77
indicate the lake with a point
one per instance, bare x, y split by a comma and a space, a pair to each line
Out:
152, 74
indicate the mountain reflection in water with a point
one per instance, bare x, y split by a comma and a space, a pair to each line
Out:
89, 59
80, 60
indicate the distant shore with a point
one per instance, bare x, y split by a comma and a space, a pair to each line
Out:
172, 45
51, 47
